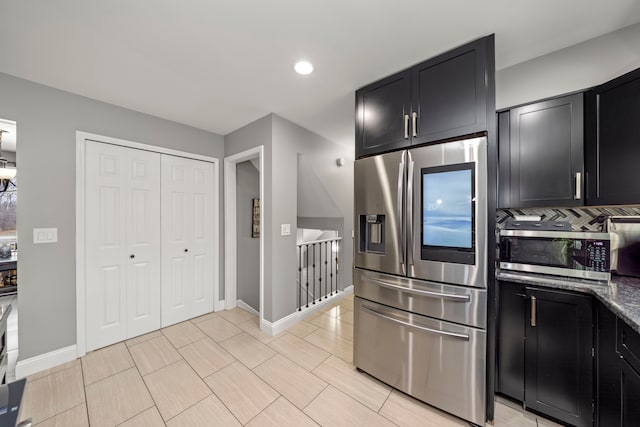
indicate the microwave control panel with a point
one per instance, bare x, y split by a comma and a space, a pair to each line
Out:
597, 255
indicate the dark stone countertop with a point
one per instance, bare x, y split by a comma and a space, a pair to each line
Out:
8, 260
621, 295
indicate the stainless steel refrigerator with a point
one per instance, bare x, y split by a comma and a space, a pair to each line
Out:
420, 276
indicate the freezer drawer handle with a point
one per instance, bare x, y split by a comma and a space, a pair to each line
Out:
421, 328
456, 297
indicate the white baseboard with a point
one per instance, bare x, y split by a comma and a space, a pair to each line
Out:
246, 307
36, 364
274, 328
218, 306
280, 325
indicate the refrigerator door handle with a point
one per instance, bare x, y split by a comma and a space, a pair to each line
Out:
376, 313
431, 294
409, 210
401, 238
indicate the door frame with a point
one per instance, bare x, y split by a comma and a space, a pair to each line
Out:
81, 137
230, 228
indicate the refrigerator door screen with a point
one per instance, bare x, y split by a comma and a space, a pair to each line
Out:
448, 220
447, 213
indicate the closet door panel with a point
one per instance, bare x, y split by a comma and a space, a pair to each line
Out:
201, 247
143, 242
187, 244
177, 233
105, 269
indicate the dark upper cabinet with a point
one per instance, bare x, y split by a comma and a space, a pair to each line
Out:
450, 93
541, 154
612, 141
558, 355
545, 344
382, 115
444, 97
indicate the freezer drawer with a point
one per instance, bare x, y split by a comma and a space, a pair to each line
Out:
440, 363
447, 302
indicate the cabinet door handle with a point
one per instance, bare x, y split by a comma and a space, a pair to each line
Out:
414, 123
406, 126
578, 194
534, 303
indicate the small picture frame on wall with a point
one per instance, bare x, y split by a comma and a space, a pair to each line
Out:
255, 223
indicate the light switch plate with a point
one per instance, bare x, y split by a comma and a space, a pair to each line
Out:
45, 235
285, 229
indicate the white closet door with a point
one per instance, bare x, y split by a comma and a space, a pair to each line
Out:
122, 201
143, 242
201, 248
187, 239
105, 244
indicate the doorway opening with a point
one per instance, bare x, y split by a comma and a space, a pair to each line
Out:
9, 244
244, 231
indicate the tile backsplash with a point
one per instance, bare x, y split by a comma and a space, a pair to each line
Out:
581, 218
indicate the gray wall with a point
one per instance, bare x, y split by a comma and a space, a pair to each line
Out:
571, 69
47, 120
250, 136
283, 140
248, 250
314, 199
289, 139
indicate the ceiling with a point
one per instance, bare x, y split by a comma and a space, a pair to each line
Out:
218, 65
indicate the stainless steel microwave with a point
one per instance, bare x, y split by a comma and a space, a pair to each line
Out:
578, 254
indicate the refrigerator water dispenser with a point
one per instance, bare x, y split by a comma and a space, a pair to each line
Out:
372, 233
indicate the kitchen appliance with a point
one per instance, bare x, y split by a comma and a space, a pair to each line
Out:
625, 244
420, 273
549, 247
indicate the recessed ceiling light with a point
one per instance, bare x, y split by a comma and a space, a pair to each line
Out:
303, 67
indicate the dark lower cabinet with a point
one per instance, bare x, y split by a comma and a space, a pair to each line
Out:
559, 355
608, 370
618, 380
510, 344
545, 351
630, 395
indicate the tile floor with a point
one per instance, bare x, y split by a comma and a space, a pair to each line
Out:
221, 370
